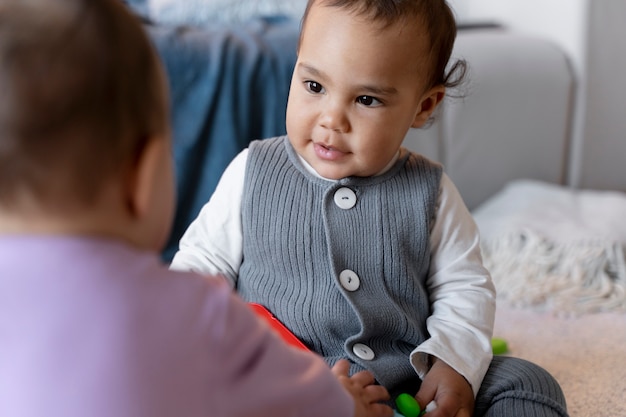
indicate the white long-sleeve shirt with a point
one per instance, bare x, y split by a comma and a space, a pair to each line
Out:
461, 291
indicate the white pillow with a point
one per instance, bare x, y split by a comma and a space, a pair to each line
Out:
201, 12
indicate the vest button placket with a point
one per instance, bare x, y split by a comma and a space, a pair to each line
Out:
345, 198
363, 351
349, 280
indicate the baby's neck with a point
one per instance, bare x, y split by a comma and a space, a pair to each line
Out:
12, 223
104, 217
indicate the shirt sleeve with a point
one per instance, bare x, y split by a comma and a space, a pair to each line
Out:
213, 242
462, 294
257, 374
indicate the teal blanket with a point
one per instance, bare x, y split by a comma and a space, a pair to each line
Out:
228, 86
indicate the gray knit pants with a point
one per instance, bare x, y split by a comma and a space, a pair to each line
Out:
518, 388
514, 387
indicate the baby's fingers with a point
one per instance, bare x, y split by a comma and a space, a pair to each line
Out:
449, 411
341, 368
363, 378
377, 393
381, 410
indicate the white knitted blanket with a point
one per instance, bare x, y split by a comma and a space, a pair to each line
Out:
554, 248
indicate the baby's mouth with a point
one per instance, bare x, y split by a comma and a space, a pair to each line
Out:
327, 153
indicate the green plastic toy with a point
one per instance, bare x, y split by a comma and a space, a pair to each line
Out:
499, 346
408, 406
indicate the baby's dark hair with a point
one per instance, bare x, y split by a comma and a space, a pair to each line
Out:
435, 15
81, 92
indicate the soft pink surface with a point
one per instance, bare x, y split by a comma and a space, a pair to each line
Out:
586, 354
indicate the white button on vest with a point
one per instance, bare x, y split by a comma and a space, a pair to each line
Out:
363, 351
345, 198
349, 280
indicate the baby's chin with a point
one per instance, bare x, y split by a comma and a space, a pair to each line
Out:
337, 173
335, 170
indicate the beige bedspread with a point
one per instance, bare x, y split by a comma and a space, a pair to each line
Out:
586, 354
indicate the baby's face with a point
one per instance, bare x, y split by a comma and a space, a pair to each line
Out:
355, 91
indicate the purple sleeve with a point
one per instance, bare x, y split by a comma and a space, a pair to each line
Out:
261, 375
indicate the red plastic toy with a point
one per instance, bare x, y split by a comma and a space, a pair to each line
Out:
275, 324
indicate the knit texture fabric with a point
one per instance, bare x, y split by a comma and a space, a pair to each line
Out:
297, 241
515, 387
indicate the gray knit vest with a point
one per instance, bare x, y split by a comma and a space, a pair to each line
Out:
297, 241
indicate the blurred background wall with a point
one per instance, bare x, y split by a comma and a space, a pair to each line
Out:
593, 33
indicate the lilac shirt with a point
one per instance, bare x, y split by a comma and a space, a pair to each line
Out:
92, 327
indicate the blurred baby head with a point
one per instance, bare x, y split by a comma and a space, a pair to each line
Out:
83, 94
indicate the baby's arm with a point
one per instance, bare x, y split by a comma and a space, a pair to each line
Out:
366, 394
462, 295
212, 244
257, 374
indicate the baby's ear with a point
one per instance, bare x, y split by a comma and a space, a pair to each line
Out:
428, 103
142, 182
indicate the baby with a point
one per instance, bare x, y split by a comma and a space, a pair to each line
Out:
363, 249
91, 322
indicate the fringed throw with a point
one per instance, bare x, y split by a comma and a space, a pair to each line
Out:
570, 278
552, 248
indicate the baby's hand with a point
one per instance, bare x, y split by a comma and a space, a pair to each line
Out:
449, 389
366, 394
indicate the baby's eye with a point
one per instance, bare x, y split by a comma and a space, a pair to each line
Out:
368, 101
314, 87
